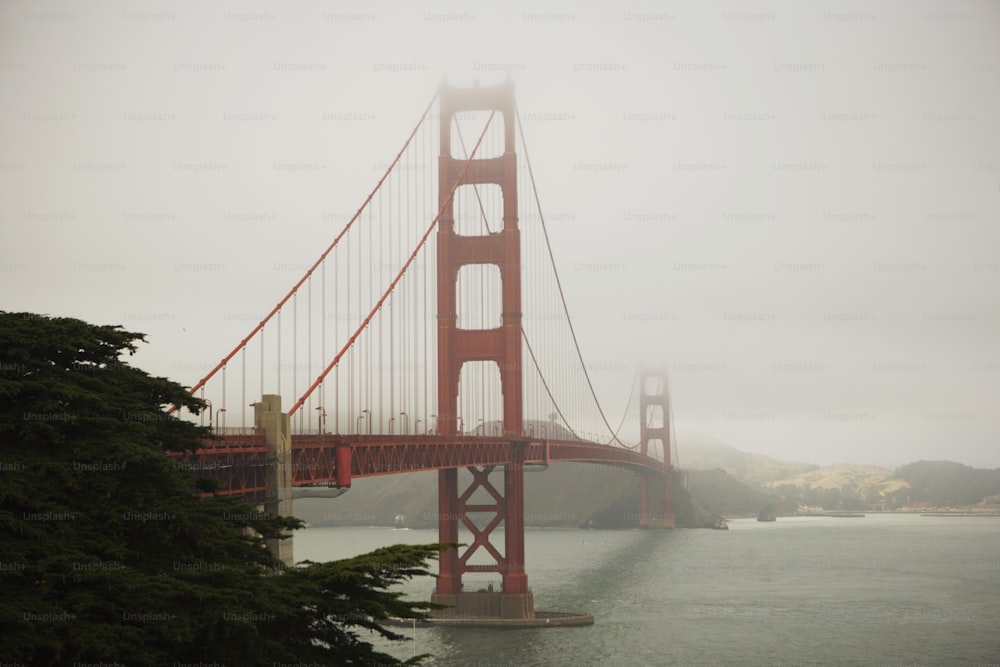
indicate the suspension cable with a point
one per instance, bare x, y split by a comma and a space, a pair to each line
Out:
378, 306
555, 272
628, 406
322, 257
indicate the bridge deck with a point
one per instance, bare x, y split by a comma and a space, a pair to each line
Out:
240, 462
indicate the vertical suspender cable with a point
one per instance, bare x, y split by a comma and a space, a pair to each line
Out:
295, 349
223, 410
347, 296
309, 343
278, 370
243, 394
368, 370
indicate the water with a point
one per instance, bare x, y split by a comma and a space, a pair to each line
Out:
881, 590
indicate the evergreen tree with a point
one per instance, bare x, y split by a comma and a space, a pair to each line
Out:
109, 553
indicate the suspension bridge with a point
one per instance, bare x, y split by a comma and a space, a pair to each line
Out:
432, 334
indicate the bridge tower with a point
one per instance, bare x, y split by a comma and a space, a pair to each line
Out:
501, 345
654, 428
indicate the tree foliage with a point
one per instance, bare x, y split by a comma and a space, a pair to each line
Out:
107, 551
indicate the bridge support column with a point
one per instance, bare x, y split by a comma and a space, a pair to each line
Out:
514, 601
277, 436
449, 581
502, 346
656, 510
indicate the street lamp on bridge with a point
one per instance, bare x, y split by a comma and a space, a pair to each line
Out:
405, 426
321, 412
364, 415
218, 413
416, 427
434, 428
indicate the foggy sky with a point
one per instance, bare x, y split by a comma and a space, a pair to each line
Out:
794, 206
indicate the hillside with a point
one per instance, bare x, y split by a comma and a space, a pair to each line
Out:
843, 486
719, 492
564, 495
702, 452
949, 484
942, 484
716, 480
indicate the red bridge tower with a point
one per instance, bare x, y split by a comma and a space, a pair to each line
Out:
500, 345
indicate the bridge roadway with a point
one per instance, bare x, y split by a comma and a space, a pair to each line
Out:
240, 462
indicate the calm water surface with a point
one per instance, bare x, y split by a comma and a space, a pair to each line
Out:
881, 590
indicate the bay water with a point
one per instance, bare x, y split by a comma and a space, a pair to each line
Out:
885, 589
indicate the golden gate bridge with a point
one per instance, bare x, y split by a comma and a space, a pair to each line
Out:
432, 333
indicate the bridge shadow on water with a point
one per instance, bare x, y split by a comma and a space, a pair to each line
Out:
594, 571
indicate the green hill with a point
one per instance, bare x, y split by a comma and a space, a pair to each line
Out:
948, 484
719, 492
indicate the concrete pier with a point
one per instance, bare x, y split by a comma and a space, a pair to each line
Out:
277, 435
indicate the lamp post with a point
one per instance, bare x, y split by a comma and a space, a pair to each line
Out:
434, 427
391, 420
218, 413
405, 426
322, 416
416, 427
362, 416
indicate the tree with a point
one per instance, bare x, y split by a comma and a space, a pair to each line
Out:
107, 551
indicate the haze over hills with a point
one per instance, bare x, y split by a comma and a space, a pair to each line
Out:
846, 486
704, 452
716, 479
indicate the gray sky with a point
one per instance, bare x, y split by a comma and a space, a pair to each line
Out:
794, 206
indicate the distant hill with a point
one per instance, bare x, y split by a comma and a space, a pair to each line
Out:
719, 492
949, 484
703, 452
861, 486
942, 484
564, 495
715, 480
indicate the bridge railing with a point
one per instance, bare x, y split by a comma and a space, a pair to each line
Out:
237, 431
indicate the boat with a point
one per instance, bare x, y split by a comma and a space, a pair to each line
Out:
766, 514
399, 521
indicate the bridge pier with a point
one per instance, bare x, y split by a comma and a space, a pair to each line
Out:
514, 601
656, 509
267, 415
